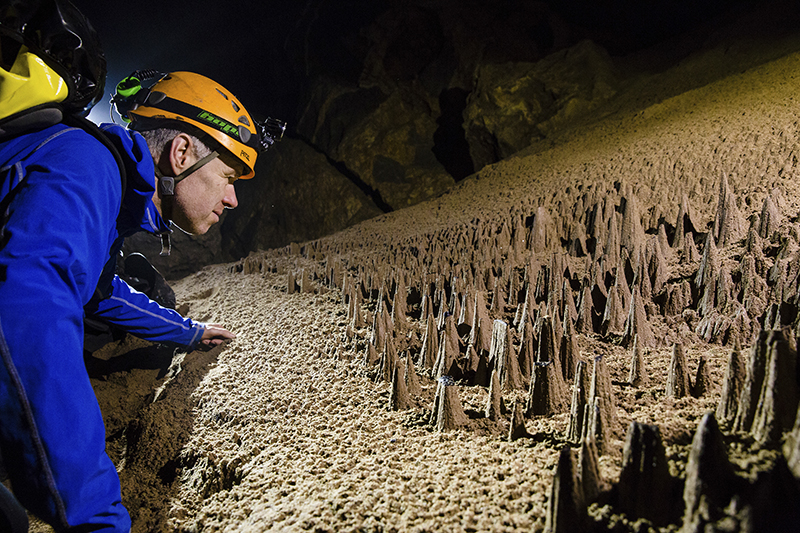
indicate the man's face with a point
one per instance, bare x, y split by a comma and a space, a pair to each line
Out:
201, 197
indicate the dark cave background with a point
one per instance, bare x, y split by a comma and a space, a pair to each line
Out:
392, 103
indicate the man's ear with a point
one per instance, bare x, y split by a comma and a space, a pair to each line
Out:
181, 153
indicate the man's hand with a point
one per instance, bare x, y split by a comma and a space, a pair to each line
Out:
215, 335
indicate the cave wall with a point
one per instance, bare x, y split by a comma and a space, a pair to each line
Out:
395, 103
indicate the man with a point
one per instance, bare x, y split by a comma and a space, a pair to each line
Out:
64, 213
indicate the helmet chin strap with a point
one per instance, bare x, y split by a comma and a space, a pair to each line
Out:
166, 190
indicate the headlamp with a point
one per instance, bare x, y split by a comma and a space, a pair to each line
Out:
270, 131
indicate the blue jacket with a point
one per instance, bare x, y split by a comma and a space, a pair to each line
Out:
60, 234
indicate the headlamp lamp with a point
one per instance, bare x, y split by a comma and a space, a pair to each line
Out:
270, 131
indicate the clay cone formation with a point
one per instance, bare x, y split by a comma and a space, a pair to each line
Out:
645, 486
678, 384
447, 407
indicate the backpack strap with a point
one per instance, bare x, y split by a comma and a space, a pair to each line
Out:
92, 129
41, 117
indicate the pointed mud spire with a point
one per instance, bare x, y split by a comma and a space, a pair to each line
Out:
371, 356
732, 385
632, 233
690, 253
541, 231
663, 242
710, 480
678, 384
411, 378
449, 351
657, 268
791, 447
399, 399
517, 429
569, 351
466, 314
679, 297
729, 225
600, 420
498, 299
447, 406
778, 401
754, 288
580, 393
566, 507
591, 481
702, 381
615, 313
770, 218
476, 369
502, 358
637, 323
547, 393
481, 333
495, 408
645, 486
637, 375
756, 370
430, 342
585, 321
547, 345
382, 327
400, 306
356, 313
612, 244
568, 309
527, 351
709, 264
444, 311
684, 225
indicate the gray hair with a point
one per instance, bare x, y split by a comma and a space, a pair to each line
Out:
158, 139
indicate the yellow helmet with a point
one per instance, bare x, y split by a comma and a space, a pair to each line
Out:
29, 83
191, 99
57, 58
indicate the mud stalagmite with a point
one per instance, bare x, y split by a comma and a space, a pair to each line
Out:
702, 383
516, 429
430, 342
449, 351
637, 324
778, 401
566, 507
502, 358
637, 374
447, 409
592, 483
751, 392
710, 481
678, 384
495, 408
580, 392
399, 398
645, 488
732, 385
600, 424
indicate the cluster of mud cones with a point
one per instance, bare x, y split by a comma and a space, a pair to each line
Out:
501, 303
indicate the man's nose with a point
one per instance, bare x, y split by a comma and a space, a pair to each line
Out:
230, 201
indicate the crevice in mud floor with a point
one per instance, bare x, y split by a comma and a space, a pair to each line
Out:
145, 436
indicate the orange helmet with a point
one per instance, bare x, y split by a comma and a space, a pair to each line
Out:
204, 105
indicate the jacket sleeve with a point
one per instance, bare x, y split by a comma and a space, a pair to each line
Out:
134, 312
